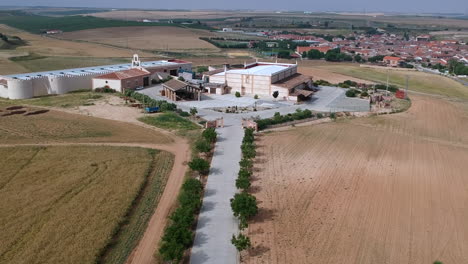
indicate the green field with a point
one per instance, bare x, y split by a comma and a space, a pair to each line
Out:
170, 121
418, 81
75, 209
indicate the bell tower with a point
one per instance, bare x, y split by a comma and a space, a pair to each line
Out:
136, 63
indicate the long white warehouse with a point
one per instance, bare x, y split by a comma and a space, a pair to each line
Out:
28, 85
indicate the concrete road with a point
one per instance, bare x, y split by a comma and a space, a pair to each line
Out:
216, 223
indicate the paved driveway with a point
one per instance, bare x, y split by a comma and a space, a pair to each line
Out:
216, 223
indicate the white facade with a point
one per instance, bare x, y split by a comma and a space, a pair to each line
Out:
113, 84
257, 80
28, 85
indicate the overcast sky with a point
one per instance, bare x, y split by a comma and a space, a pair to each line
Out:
409, 6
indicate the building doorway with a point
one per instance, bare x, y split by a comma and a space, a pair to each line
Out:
146, 81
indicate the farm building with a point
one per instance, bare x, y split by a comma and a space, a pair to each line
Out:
123, 80
28, 85
179, 90
263, 79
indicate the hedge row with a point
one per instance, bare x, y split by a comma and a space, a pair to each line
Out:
244, 205
278, 118
150, 102
179, 235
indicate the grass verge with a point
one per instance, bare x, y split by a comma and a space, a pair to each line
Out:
169, 121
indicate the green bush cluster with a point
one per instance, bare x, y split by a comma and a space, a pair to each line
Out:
226, 45
322, 83
104, 90
351, 93
278, 118
391, 88
244, 205
178, 236
150, 102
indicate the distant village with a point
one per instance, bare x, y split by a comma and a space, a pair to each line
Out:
381, 47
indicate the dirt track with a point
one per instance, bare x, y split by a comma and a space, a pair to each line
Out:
387, 189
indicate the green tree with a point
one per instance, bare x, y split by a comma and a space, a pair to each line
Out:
315, 54
203, 146
243, 183
275, 94
200, 165
193, 111
238, 94
244, 205
202, 69
358, 58
210, 135
241, 242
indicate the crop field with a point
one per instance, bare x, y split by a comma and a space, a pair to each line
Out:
382, 189
418, 81
147, 38
67, 210
54, 126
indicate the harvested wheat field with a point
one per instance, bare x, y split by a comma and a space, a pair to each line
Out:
67, 210
384, 189
147, 38
24, 126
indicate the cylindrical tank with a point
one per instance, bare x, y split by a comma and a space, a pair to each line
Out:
20, 89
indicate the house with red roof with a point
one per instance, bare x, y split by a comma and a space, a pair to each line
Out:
123, 80
392, 61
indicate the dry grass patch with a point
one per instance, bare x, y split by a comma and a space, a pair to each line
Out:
383, 189
55, 126
57, 210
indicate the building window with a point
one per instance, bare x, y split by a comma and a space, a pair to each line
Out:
107, 82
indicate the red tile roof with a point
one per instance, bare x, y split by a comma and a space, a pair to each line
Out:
391, 58
122, 75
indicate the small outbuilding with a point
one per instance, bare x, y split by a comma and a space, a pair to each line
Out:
178, 90
123, 80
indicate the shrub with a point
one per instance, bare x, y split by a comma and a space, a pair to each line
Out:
351, 93
246, 163
275, 94
105, 90
210, 135
255, 96
248, 150
193, 111
200, 165
238, 94
203, 146
319, 115
184, 114
244, 172
244, 205
241, 242
364, 94
181, 78
333, 115
243, 183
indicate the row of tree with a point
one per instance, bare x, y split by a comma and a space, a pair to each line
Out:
278, 118
244, 205
179, 235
